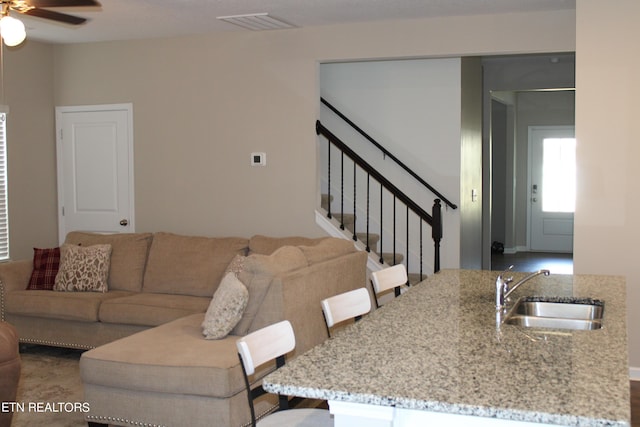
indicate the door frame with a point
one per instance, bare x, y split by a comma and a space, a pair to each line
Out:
530, 131
128, 107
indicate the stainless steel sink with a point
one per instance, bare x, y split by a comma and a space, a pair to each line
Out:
557, 313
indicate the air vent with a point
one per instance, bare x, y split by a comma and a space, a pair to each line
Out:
257, 22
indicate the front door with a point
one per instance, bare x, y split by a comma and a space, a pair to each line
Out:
552, 188
95, 168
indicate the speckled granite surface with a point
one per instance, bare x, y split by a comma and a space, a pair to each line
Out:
437, 348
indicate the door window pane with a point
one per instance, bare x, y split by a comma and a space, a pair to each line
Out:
559, 175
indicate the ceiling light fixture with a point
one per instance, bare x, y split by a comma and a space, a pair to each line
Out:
257, 22
12, 30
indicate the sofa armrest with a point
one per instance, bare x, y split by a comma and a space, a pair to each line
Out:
296, 296
14, 275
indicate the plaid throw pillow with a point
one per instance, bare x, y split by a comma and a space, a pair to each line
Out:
45, 267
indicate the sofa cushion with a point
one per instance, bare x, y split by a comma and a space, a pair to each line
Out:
266, 245
149, 309
257, 274
189, 265
83, 268
175, 350
46, 263
128, 256
226, 308
329, 248
80, 306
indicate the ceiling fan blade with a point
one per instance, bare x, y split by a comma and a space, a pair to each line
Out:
55, 16
62, 3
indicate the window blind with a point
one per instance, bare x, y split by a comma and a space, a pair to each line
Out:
4, 207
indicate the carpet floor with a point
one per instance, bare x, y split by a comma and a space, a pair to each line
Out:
50, 390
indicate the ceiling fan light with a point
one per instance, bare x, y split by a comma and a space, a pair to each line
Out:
12, 31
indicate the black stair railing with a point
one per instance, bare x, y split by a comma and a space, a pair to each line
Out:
388, 154
434, 219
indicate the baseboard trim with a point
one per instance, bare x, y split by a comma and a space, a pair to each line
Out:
514, 250
634, 373
334, 231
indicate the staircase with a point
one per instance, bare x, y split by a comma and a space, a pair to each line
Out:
346, 222
343, 226
361, 204
370, 241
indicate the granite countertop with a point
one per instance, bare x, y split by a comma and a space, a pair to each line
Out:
438, 348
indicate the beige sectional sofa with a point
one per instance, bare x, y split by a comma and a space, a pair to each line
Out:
153, 365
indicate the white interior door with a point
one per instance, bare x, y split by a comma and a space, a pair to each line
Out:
95, 168
552, 187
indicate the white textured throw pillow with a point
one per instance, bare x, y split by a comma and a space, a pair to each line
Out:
83, 268
226, 308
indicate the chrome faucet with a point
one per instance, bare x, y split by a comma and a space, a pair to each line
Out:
502, 286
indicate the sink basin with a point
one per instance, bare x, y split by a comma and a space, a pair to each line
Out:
557, 313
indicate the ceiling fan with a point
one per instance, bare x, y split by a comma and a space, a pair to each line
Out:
12, 29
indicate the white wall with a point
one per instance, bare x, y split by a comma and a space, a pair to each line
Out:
202, 105
413, 109
607, 230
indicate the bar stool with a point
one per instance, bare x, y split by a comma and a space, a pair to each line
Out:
348, 305
388, 278
264, 345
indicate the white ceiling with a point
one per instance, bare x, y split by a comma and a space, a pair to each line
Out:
140, 19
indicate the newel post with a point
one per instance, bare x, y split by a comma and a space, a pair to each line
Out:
436, 232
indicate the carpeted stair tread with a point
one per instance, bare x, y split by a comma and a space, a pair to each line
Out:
373, 240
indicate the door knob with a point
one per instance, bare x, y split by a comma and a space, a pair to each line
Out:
534, 199
124, 222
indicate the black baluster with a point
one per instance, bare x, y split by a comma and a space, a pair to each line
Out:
407, 245
421, 222
355, 237
381, 229
342, 191
329, 179
394, 229
368, 248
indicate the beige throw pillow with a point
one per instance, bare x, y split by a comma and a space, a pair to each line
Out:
226, 308
83, 268
258, 273
266, 245
236, 265
329, 248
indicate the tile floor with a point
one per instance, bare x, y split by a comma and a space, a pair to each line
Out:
557, 263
